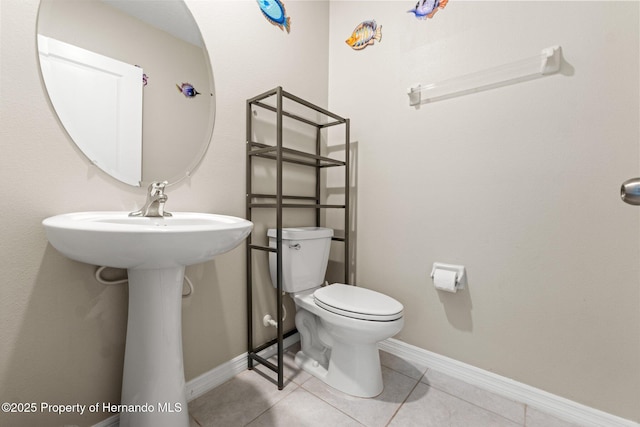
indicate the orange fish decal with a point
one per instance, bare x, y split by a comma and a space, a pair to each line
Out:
365, 34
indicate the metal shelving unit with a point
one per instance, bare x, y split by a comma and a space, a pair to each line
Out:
281, 155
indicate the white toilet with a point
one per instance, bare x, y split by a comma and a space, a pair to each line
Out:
339, 325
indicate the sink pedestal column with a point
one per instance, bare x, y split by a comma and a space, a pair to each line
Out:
153, 385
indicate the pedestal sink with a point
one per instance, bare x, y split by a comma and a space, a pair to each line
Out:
155, 252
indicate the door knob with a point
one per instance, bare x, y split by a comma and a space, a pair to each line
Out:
630, 191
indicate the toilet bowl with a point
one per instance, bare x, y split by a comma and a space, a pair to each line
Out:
340, 325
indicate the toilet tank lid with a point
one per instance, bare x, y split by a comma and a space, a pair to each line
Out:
302, 233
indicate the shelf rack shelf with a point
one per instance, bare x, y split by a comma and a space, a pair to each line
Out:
280, 201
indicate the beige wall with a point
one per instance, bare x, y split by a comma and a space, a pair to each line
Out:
519, 184
62, 334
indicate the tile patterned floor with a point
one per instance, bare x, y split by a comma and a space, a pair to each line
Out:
413, 396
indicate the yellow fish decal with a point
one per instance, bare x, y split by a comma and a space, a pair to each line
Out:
365, 34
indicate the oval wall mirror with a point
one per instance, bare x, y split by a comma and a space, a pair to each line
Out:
131, 82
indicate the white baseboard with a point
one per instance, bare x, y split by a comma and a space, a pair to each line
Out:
223, 373
557, 406
213, 378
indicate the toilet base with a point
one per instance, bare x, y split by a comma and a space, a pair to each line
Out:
353, 369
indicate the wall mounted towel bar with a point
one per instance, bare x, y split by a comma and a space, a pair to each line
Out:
546, 63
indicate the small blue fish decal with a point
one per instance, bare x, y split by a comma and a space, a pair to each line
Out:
275, 13
427, 8
365, 34
188, 90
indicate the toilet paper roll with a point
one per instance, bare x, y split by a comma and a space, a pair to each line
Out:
445, 280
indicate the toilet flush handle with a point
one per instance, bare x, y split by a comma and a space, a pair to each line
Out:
295, 246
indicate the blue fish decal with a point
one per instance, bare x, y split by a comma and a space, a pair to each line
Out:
275, 13
427, 8
188, 90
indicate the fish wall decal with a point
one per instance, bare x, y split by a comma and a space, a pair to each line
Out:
187, 90
145, 78
365, 34
427, 8
275, 13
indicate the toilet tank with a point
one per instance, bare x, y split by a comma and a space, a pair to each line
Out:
305, 254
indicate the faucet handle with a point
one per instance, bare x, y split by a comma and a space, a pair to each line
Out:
156, 192
156, 188
154, 207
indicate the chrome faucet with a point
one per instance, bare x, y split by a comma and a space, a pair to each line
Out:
154, 207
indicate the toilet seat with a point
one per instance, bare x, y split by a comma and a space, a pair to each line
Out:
358, 303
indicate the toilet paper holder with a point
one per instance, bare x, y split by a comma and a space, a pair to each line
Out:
461, 277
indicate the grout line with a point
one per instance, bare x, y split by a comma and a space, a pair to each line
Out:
405, 375
435, 386
272, 406
453, 395
329, 403
405, 360
478, 406
405, 399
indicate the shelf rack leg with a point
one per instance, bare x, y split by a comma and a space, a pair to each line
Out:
347, 183
318, 175
248, 243
279, 235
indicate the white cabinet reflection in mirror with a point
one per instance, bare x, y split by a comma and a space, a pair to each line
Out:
109, 127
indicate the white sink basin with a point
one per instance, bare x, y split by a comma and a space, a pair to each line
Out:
115, 239
155, 252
